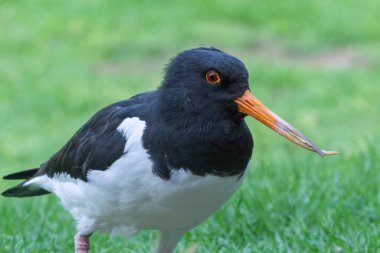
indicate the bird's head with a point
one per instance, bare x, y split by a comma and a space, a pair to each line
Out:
204, 82
208, 84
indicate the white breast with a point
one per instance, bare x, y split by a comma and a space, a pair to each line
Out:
128, 197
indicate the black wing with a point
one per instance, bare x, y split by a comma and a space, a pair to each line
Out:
97, 144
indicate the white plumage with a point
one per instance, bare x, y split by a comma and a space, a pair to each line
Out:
128, 197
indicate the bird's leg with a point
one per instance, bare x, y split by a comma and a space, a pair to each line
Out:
82, 243
168, 241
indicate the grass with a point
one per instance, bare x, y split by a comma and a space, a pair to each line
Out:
315, 63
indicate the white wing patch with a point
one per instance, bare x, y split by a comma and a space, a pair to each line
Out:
132, 129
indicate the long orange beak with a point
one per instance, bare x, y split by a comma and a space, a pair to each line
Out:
250, 105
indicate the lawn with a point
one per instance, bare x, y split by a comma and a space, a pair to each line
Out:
315, 63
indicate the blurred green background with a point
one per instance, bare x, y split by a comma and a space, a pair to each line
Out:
315, 63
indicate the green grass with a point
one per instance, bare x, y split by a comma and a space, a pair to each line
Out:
315, 63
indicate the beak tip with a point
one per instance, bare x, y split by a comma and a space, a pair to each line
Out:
324, 153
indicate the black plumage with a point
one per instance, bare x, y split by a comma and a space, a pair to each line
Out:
186, 118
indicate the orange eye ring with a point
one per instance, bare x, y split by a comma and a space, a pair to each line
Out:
212, 77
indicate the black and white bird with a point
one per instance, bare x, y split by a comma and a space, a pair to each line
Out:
162, 160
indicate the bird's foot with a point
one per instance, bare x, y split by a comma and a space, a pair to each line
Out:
82, 243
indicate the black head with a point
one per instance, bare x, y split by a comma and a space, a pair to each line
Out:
204, 82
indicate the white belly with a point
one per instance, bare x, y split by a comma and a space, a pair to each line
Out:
130, 203
182, 202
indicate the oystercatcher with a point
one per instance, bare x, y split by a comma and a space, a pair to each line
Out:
162, 160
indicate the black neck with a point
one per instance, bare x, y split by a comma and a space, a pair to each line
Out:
209, 144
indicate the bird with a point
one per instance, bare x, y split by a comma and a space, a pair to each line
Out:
162, 160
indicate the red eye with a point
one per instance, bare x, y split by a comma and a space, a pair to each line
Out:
212, 77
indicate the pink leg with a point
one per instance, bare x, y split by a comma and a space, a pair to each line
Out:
82, 243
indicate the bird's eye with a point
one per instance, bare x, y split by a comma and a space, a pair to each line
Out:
212, 77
